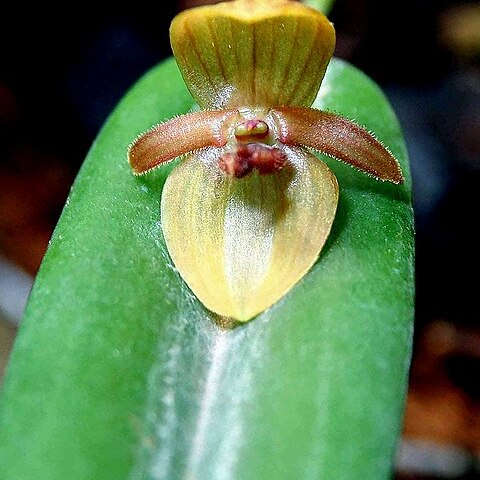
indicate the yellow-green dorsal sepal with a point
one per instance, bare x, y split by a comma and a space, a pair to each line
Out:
247, 52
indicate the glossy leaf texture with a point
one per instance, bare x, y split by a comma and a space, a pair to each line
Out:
120, 373
323, 5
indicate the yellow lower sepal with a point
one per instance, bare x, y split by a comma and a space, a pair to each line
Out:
242, 244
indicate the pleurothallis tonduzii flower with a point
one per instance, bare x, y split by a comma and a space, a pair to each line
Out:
248, 209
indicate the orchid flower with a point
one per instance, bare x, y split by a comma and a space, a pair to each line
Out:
248, 209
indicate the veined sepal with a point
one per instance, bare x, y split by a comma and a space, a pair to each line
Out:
252, 52
242, 244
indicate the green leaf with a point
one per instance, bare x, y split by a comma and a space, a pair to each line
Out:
120, 373
323, 5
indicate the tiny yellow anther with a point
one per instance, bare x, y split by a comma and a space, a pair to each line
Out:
251, 128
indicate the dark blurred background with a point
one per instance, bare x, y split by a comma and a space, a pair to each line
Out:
59, 79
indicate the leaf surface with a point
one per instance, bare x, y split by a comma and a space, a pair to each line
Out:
120, 373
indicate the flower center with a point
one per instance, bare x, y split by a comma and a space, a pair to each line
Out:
251, 131
252, 156
251, 149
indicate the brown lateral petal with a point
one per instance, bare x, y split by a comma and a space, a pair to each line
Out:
176, 137
262, 52
336, 136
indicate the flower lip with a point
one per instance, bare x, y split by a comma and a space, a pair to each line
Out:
244, 158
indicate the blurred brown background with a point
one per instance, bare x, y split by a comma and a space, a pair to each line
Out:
60, 79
